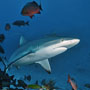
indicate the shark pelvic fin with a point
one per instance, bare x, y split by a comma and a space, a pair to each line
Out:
45, 64
22, 40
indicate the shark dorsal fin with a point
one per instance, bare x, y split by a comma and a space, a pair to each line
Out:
45, 64
22, 40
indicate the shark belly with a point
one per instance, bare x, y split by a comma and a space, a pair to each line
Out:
40, 55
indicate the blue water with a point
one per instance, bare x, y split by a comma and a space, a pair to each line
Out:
69, 18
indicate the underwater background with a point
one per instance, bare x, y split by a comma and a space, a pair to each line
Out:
70, 18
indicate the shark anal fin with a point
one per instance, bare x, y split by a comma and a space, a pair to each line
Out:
22, 40
45, 64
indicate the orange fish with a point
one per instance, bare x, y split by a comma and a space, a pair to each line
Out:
73, 84
30, 9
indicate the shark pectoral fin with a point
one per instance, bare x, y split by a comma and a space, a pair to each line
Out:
45, 64
22, 40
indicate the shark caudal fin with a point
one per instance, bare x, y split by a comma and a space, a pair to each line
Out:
7, 67
3, 62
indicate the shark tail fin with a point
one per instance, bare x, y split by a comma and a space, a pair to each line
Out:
3, 62
7, 67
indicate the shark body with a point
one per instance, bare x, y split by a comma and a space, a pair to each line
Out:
39, 51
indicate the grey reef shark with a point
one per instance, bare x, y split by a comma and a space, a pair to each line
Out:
39, 51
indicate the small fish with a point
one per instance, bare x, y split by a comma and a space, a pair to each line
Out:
2, 38
72, 82
31, 8
1, 50
7, 27
20, 23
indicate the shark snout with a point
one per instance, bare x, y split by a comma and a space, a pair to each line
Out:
69, 43
75, 41
72, 43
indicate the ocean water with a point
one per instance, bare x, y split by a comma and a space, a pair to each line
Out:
69, 18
